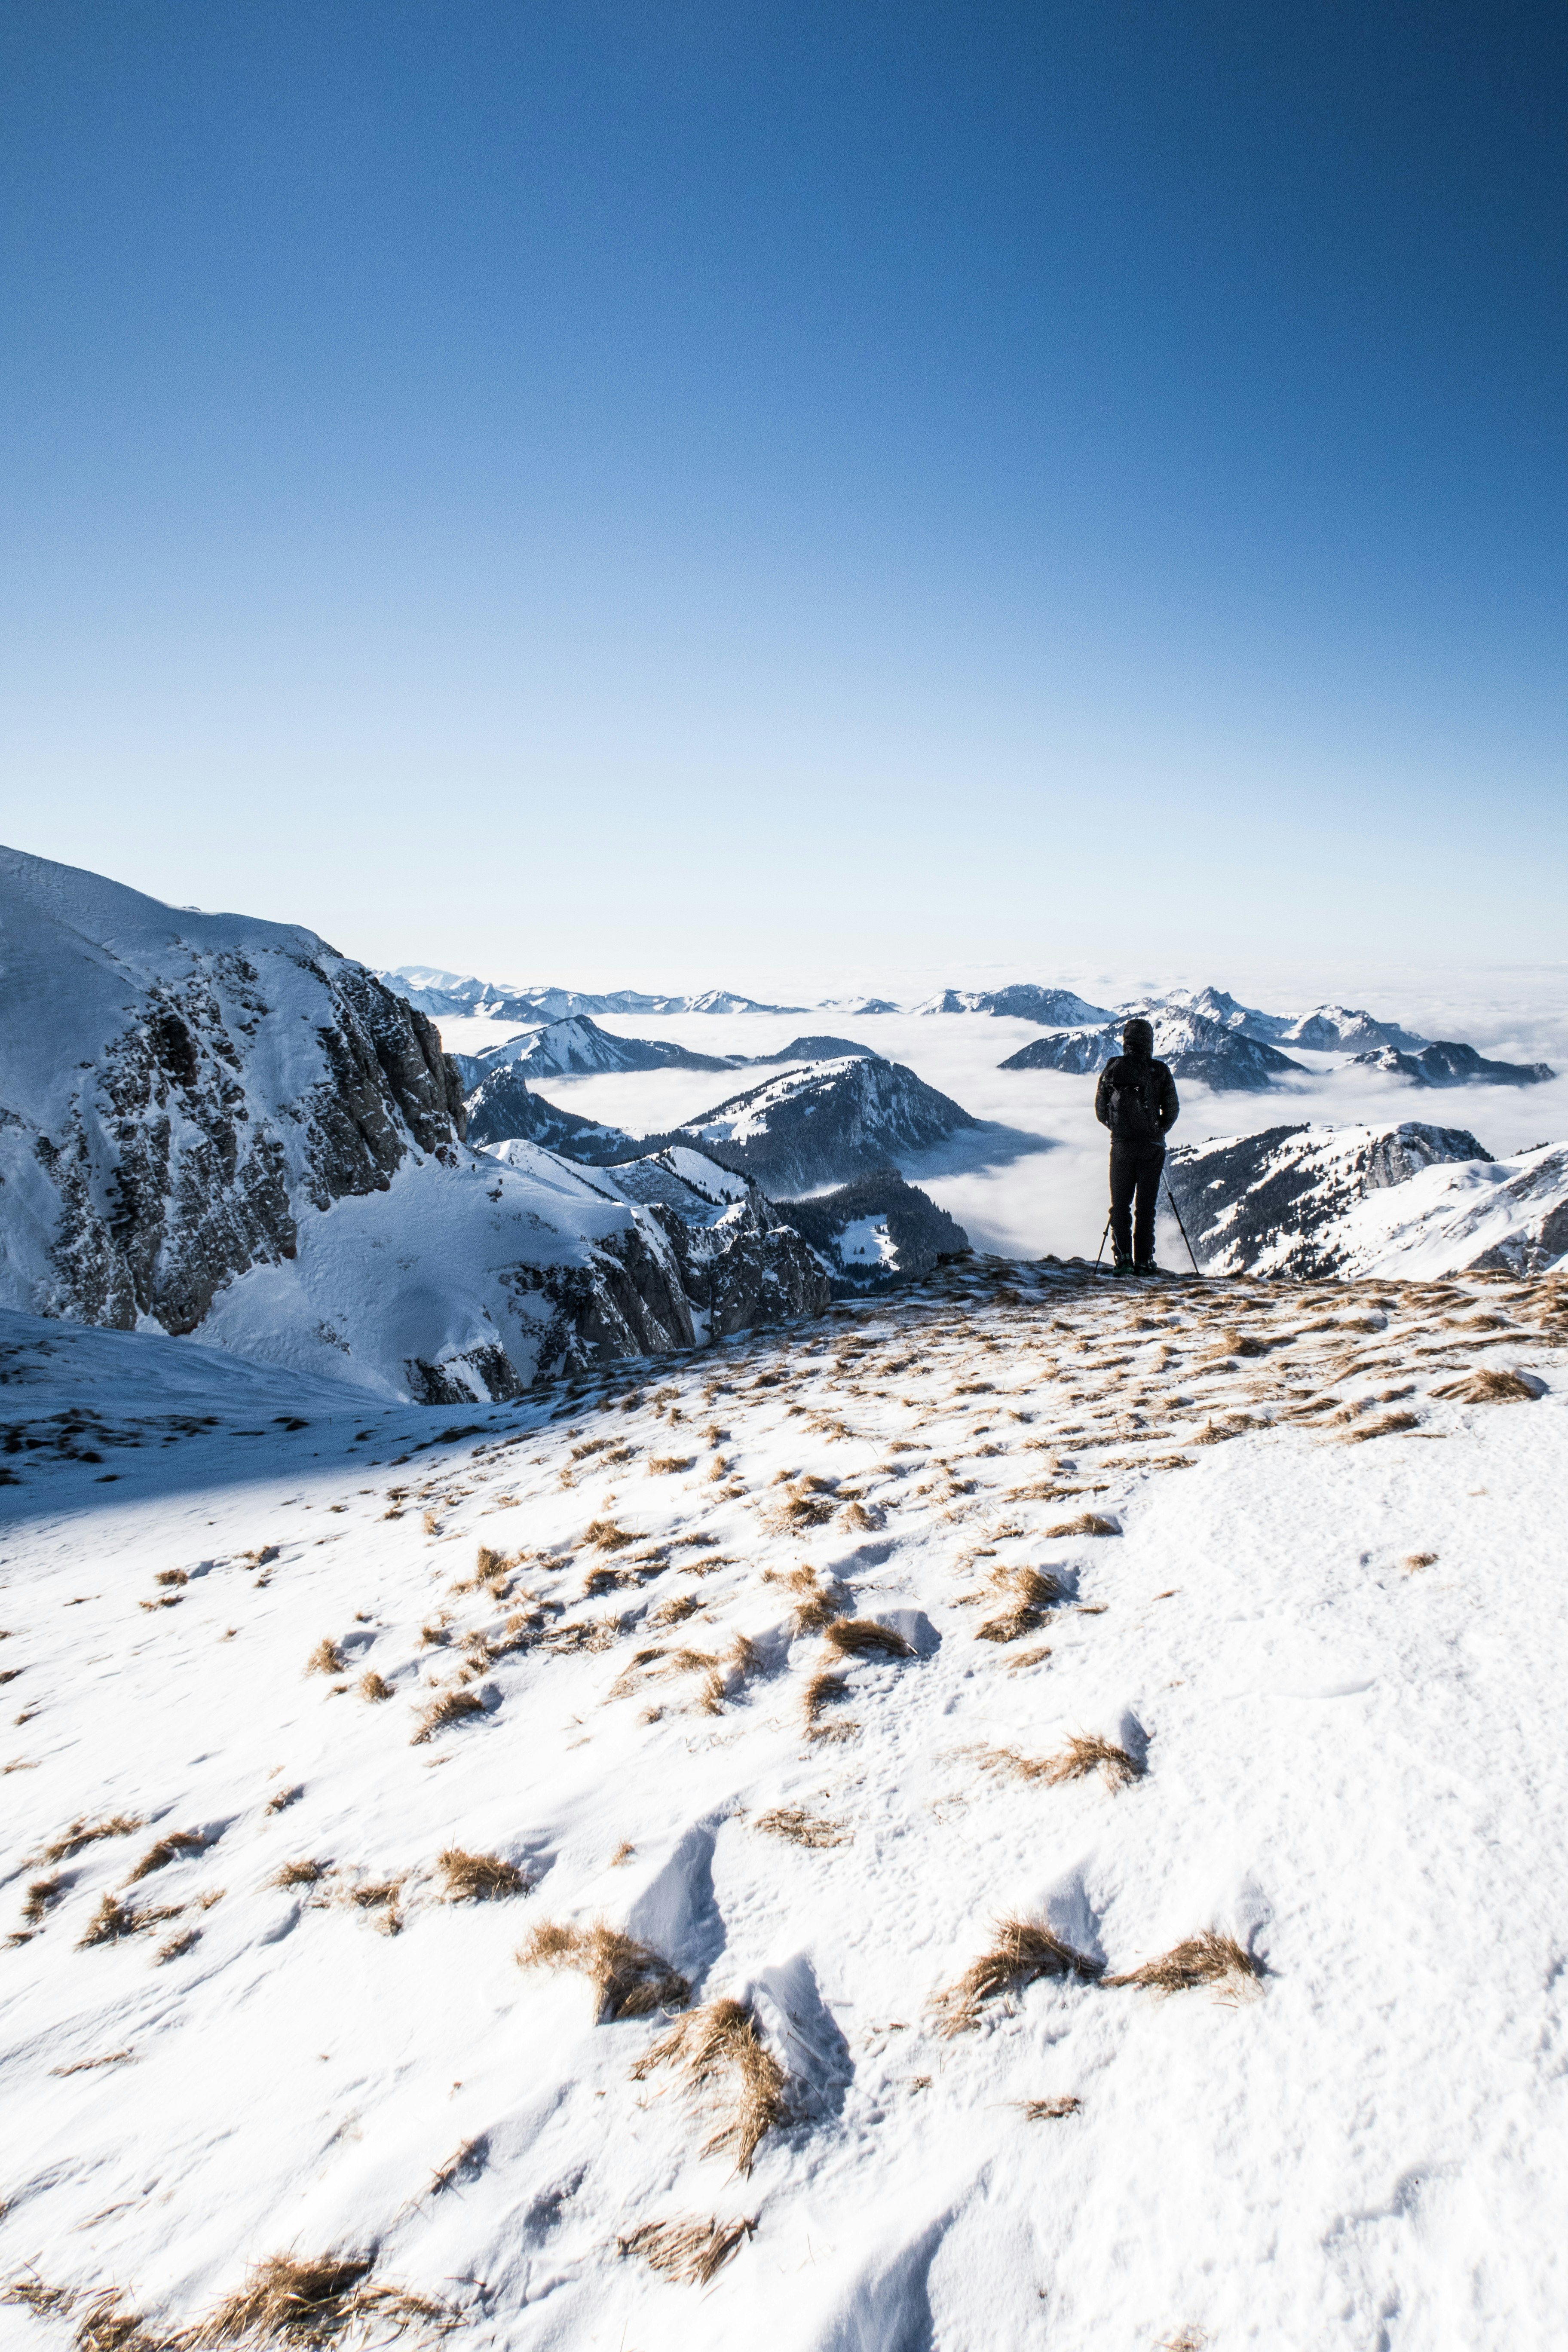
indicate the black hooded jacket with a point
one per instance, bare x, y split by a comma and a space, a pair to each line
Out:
1136, 1097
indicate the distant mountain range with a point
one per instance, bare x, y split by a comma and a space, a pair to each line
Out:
451, 995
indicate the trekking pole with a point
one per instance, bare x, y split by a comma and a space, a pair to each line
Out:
1100, 1253
1180, 1228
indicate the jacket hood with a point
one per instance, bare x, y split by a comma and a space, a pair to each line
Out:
1138, 1040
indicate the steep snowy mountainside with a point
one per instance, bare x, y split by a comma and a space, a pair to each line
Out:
1447, 1065
1197, 1048
223, 1128
1152, 1623
578, 1046
1412, 1199
828, 1122
742, 1260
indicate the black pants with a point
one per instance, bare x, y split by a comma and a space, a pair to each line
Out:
1136, 1162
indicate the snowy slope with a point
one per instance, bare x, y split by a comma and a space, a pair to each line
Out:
1057, 1008
1197, 1048
1405, 1200
1335, 1669
220, 1127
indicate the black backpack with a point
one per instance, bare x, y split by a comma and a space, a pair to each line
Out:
1134, 1097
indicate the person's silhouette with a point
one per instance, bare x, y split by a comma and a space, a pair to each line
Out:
1136, 1100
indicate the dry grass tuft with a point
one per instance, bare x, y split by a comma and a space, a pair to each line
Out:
789, 1822
301, 1874
604, 1535
479, 1877
1088, 1523
85, 1833
817, 1604
676, 1609
669, 1466
863, 1637
289, 2301
1388, 1424
284, 1799
1084, 1753
720, 2042
373, 1685
628, 1979
824, 1690
1421, 1560
326, 1658
1032, 1592
176, 1847
1023, 1951
691, 2252
1490, 1388
43, 1894
452, 1707
1209, 1958
1049, 2111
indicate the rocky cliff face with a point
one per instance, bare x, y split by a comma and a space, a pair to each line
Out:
222, 1128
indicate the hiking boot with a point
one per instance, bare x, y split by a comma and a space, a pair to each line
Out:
1122, 1263
1146, 1266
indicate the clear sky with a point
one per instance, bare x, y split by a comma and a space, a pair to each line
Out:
677, 493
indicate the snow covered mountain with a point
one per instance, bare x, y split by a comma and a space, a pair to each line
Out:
503, 1106
825, 1123
1447, 1065
876, 1232
1411, 1199
1023, 1000
1328, 1028
578, 1047
1198, 1049
222, 1128
741, 1261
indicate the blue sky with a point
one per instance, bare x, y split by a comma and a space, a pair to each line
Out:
690, 493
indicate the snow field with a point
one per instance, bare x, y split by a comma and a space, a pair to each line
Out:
1349, 1764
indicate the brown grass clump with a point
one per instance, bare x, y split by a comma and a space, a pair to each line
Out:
172, 1848
373, 1685
301, 1874
288, 2301
604, 1535
818, 1604
790, 1821
863, 1637
721, 2041
1023, 1951
1049, 2111
1207, 1958
1490, 1388
1084, 1753
452, 1707
676, 1609
283, 1799
43, 1894
1032, 1592
326, 1658
1388, 1424
84, 1833
628, 1979
113, 1921
691, 2252
825, 1690
1421, 1560
669, 1466
479, 1877
1088, 1523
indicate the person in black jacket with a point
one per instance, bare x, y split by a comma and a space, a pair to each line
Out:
1136, 1100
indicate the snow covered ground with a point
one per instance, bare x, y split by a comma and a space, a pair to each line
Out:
1312, 1607
1034, 1180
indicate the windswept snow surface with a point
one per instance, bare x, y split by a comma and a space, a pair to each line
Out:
1335, 1670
